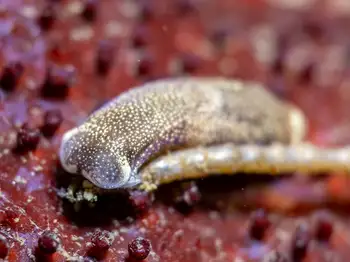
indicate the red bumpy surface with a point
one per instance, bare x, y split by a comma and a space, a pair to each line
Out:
62, 59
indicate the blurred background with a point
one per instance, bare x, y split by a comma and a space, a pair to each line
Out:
70, 56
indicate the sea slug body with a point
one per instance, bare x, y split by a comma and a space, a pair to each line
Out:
118, 140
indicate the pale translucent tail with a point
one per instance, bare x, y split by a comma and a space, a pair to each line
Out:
230, 159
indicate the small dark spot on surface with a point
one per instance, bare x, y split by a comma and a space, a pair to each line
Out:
188, 63
259, 224
306, 74
89, 12
324, 229
104, 57
184, 7
144, 66
218, 37
139, 248
278, 65
11, 75
145, 12
27, 139
52, 121
198, 243
47, 18
314, 29
58, 81
140, 37
4, 247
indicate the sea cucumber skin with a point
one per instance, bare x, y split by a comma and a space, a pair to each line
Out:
111, 146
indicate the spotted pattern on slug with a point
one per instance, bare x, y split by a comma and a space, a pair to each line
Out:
111, 146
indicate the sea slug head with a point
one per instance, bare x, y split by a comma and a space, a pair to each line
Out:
96, 159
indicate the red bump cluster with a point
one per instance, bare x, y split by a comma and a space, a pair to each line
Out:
48, 243
139, 248
101, 242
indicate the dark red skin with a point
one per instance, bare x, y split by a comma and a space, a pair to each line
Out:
31, 205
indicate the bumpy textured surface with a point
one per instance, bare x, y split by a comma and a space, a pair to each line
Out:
299, 49
161, 116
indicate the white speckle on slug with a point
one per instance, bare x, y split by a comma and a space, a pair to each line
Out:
63, 151
298, 124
